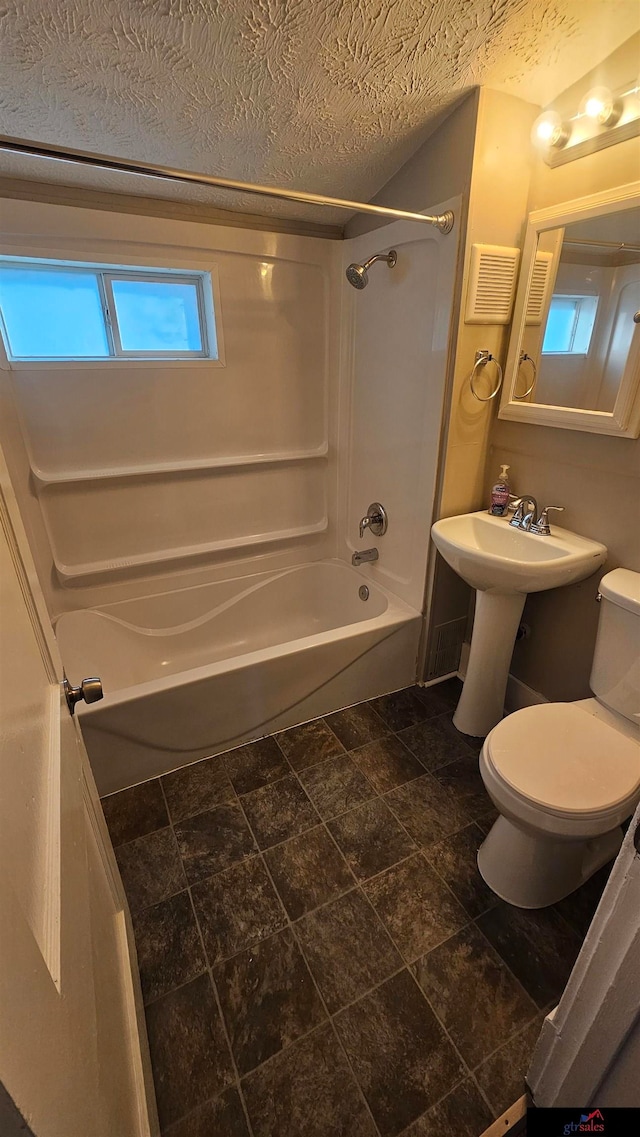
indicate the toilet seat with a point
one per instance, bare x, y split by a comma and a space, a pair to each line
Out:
565, 761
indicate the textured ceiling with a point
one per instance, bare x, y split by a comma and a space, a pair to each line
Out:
324, 95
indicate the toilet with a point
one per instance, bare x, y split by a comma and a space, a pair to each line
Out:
564, 776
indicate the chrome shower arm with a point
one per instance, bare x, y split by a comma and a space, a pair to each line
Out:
390, 258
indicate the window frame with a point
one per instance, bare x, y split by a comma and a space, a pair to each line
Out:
578, 299
205, 281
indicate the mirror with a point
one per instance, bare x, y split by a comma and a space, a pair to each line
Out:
574, 355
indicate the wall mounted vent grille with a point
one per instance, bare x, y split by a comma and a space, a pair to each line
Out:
492, 284
537, 301
446, 647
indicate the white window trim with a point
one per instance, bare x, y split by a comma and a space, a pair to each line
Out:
579, 297
210, 312
198, 279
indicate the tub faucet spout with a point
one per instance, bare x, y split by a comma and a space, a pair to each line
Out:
361, 558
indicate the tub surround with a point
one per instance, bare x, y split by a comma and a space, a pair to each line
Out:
140, 477
143, 485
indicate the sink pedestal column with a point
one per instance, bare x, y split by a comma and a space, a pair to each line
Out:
496, 623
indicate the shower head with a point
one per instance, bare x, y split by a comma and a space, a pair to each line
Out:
357, 274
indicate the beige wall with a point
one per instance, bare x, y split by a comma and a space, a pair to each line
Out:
440, 169
497, 209
595, 477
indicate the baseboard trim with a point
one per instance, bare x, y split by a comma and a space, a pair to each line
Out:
519, 695
512, 1121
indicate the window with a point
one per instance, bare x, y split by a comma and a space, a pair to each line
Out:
55, 311
569, 325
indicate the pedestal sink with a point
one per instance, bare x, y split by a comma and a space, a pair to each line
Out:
503, 564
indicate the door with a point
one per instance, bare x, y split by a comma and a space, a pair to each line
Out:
73, 1055
588, 1053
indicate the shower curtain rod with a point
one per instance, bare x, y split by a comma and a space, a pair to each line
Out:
620, 246
442, 221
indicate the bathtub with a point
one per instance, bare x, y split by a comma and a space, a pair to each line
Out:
194, 672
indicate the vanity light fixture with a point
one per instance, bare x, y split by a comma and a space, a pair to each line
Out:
549, 130
600, 105
604, 117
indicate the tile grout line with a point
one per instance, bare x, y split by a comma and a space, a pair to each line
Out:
329, 1017
500, 956
358, 885
564, 919
236, 797
505, 1041
465, 1066
343, 753
227, 1036
409, 964
405, 967
504, 962
407, 1130
211, 979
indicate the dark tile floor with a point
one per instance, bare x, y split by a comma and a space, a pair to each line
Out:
318, 953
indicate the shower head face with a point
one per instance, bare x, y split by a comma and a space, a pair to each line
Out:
357, 276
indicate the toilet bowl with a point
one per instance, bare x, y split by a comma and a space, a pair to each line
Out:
564, 776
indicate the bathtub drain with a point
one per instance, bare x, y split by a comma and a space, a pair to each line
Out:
363, 592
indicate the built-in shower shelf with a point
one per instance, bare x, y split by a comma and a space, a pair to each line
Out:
81, 573
44, 478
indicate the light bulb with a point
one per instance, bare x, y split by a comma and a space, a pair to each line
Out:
549, 130
545, 130
600, 105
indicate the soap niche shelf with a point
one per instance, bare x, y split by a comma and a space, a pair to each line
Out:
42, 478
70, 575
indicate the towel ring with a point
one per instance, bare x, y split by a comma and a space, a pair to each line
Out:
483, 357
524, 358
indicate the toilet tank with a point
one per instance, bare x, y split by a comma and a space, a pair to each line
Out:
615, 675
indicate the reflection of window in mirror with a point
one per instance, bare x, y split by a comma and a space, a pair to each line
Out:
579, 327
569, 325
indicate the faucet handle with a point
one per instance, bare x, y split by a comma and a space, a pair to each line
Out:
542, 524
375, 520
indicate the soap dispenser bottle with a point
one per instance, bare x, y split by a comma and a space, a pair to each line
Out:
500, 494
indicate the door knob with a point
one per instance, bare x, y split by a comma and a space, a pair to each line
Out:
90, 690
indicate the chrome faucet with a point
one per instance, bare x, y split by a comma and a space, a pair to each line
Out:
363, 557
525, 512
375, 520
542, 524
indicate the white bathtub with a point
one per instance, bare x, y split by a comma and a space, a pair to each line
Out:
191, 673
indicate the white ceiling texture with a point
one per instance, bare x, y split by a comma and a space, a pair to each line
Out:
330, 96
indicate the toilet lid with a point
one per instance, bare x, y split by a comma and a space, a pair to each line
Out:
565, 758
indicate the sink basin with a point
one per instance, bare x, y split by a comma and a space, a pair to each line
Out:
503, 564
491, 555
